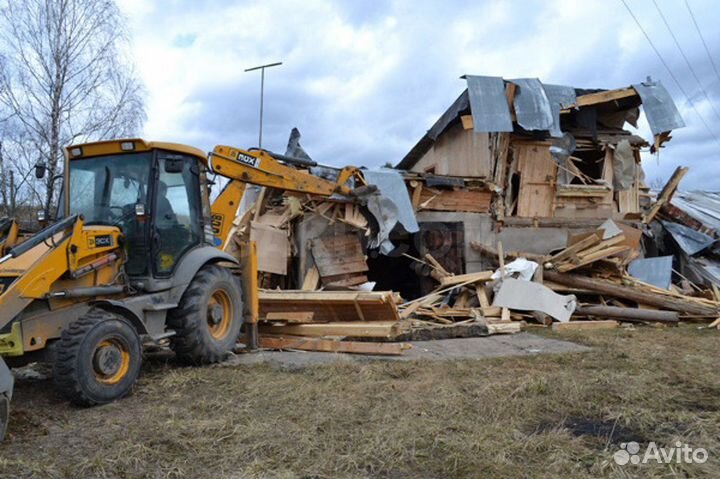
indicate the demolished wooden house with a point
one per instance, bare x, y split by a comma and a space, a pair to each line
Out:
526, 163
514, 170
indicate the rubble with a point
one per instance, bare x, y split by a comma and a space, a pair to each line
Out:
524, 205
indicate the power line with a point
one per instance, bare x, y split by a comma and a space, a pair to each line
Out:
702, 38
672, 75
687, 61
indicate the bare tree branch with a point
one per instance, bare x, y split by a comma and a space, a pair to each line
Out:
62, 79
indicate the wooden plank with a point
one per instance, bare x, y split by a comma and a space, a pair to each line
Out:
615, 240
467, 122
482, 295
504, 328
332, 305
585, 325
666, 194
471, 201
354, 217
582, 190
365, 329
591, 258
273, 248
417, 195
603, 97
336, 297
466, 278
435, 264
343, 281
407, 312
311, 280
569, 252
329, 345
336, 255
291, 316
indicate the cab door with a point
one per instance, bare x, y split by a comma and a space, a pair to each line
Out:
177, 211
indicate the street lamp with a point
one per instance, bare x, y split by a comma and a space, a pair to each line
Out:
262, 92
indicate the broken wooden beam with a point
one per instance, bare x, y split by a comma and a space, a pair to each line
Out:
632, 294
466, 278
666, 194
570, 251
332, 346
581, 325
365, 329
332, 306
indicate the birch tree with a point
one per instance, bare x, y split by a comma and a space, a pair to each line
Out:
64, 79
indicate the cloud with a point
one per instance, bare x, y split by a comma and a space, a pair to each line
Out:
184, 40
364, 80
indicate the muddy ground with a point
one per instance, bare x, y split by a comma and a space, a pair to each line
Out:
539, 415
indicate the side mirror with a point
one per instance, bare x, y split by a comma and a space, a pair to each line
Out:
41, 216
40, 170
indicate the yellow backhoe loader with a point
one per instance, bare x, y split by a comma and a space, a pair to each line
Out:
136, 253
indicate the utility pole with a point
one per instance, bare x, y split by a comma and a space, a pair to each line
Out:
262, 92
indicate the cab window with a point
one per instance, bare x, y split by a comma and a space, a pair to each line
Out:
178, 221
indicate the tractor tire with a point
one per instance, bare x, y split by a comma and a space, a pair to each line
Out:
98, 359
208, 319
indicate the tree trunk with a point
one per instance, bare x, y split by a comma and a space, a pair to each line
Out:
629, 314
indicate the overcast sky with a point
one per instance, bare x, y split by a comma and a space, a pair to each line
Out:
363, 80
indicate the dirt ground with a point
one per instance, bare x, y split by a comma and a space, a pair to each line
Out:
549, 415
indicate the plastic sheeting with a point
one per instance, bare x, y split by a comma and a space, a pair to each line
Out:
560, 97
560, 151
532, 107
529, 296
391, 185
656, 271
488, 104
691, 241
660, 110
392, 206
524, 268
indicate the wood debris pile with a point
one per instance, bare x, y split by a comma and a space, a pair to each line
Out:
562, 190
595, 271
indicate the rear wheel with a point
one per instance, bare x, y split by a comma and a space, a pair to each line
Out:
98, 359
208, 319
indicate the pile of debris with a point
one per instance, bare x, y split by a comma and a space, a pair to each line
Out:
609, 285
524, 205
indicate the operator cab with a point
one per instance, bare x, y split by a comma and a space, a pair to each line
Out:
151, 191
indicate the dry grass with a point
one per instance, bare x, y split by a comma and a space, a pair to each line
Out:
549, 416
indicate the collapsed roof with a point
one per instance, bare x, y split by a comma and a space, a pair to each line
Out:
527, 106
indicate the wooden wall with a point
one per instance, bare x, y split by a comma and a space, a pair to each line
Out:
458, 152
537, 180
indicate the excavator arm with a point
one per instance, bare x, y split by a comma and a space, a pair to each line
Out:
259, 167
